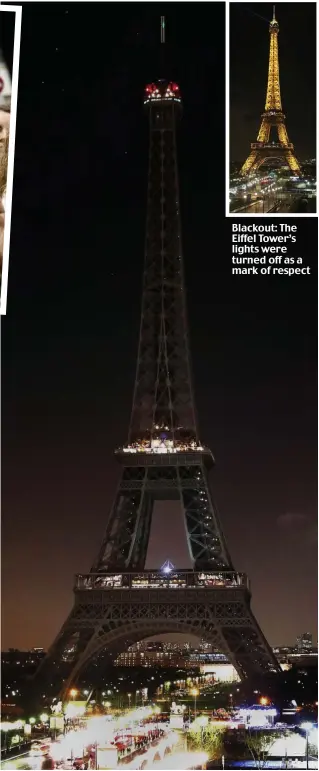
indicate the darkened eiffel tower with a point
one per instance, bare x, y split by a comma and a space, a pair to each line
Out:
119, 601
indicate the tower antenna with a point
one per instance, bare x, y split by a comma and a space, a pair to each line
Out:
273, 13
162, 29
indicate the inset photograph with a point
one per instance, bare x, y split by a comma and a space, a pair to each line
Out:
272, 108
10, 28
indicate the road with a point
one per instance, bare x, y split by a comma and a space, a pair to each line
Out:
293, 204
258, 207
152, 754
22, 760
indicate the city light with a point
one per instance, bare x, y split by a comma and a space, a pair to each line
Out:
74, 710
162, 446
288, 745
306, 726
15, 726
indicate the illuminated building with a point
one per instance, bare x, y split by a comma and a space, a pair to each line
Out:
304, 642
256, 716
273, 117
151, 659
297, 656
223, 673
14, 657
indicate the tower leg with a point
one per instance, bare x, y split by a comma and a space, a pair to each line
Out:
206, 541
264, 131
282, 134
125, 541
293, 163
67, 648
249, 164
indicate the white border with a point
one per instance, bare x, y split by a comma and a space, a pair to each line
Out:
17, 9
227, 91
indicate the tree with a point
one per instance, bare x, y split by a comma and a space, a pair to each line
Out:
259, 745
208, 738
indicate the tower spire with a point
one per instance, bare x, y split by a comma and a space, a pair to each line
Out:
273, 96
273, 13
162, 29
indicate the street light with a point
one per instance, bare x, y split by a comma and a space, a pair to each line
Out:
129, 700
31, 723
307, 727
195, 693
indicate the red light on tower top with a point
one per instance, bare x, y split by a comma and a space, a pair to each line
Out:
162, 91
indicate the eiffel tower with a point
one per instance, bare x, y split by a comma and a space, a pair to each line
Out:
263, 149
120, 602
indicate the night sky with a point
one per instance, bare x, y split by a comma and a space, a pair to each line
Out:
249, 55
69, 339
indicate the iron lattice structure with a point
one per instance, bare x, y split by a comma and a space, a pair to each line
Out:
119, 601
264, 149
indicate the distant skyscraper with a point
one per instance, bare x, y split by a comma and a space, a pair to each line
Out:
304, 641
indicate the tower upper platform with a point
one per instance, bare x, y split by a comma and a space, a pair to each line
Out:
162, 92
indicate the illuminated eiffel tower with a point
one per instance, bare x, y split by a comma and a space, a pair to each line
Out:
120, 602
273, 116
